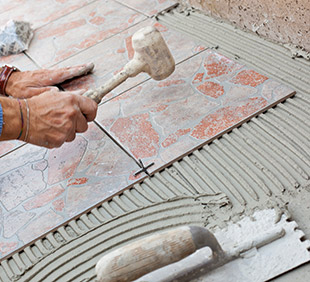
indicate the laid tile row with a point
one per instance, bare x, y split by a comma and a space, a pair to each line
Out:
41, 188
206, 96
40, 13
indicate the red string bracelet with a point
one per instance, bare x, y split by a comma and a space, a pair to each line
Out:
22, 118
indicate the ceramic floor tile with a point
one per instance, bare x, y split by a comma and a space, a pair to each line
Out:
111, 55
22, 62
148, 7
80, 30
41, 188
8, 146
37, 12
7, 5
206, 96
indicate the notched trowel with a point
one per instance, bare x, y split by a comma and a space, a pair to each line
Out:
152, 56
256, 248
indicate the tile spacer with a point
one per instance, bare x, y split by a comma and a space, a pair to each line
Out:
143, 168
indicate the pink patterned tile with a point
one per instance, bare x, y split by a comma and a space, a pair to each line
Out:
148, 7
80, 30
7, 247
80, 197
8, 146
38, 12
7, 5
41, 224
41, 188
22, 62
249, 77
59, 205
14, 221
206, 96
44, 198
20, 184
111, 55
59, 168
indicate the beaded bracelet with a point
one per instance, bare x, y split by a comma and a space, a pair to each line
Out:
22, 118
27, 130
1, 119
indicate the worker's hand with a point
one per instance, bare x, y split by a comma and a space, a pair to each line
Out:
55, 117
27, 84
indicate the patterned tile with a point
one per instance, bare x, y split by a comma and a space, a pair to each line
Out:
22, 62
148, 7
111, 55
8, 146
41, 224
80, 30
7, 247
37, 12
206, 96
7, 5
41, 188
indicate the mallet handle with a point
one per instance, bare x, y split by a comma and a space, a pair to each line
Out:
131, 69
148, 254
98, 93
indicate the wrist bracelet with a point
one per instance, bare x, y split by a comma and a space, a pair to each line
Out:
1, 119
22, 118
5, 74
27, 130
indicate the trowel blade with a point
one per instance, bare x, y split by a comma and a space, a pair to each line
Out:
258, 248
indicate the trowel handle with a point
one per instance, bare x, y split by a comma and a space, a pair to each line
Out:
132, 261
98, 93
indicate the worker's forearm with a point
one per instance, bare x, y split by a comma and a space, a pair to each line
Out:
37, 113
12, 123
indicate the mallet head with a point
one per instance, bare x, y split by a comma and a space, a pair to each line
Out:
152, 52
152, 56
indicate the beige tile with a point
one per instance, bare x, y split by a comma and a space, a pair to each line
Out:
38, 12
148, 7
80, 30
41, 188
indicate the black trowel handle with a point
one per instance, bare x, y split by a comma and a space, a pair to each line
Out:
132, 261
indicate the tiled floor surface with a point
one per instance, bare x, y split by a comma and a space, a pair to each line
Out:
153, 121
206, 95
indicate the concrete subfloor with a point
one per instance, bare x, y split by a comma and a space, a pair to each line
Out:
299, 208
268, 58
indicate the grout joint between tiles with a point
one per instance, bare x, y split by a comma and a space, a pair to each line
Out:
167, 10
143, 168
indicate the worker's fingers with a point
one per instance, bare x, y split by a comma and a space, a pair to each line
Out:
34, 91
55, 117
56, 76
27, 84
78, 92
81, 123
71, 136
88, 107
